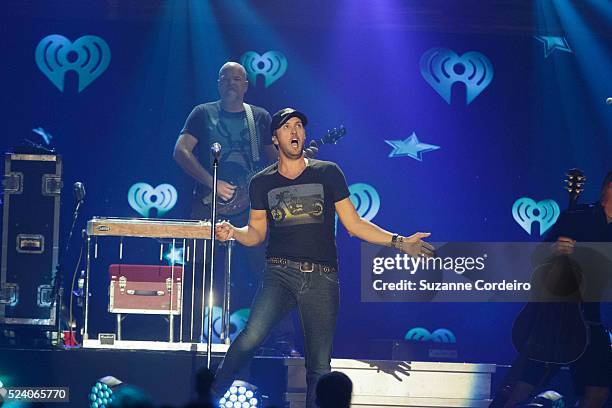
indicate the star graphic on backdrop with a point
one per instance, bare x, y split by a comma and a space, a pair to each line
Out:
552, 43
411, 146
175, 255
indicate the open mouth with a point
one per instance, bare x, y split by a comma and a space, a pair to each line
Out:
295, 142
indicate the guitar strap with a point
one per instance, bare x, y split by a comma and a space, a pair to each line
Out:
253, 133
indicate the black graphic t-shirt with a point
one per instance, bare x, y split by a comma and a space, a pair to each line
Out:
209, 123
301, 212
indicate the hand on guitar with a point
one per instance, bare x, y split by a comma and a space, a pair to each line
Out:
564, 246
414, 245
224, 231
225, 190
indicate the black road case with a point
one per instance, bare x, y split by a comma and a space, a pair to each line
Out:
30, 238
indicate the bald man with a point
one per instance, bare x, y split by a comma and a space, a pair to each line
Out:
243, 131
226, 122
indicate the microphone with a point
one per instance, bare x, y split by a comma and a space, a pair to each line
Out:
79, 192
78, 189
609, 101
215, 149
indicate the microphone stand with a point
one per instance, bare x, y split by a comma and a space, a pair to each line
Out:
213, 234
75, 215
58, 288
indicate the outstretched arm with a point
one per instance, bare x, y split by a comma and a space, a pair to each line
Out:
252, 234
372, 233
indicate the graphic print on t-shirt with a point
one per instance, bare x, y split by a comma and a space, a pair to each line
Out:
232, 134
296, 205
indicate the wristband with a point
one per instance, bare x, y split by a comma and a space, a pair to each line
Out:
396, 240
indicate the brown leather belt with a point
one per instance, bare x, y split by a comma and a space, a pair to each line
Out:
302, 266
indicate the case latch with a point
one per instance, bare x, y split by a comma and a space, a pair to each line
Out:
13, 183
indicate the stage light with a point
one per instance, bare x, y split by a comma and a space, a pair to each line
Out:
101, 394
3, 392
240, 395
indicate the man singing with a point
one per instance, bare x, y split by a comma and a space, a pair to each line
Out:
296, 199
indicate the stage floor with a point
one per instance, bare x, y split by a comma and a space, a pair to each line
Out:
167, 376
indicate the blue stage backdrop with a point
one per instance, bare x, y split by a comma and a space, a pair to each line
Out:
445, 130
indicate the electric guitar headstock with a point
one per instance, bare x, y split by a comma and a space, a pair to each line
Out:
574, 184
332, 136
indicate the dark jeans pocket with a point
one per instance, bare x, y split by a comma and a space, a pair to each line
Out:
330, 276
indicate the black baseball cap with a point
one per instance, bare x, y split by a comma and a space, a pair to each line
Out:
283, 115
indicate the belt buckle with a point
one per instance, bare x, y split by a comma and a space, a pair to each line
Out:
302, 264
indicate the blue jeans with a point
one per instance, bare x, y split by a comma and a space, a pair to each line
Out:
316, 296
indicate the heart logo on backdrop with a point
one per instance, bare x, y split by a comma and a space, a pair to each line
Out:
88, 56
526, 211
142, 197
238, 321
438, 336
441, 68
272, 65
366, 200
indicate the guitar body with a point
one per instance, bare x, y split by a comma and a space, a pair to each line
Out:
552, 329
240, 177
552, 332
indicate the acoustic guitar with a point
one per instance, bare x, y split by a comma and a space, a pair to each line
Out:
551, 328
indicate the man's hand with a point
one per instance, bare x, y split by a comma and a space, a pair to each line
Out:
564, 246
415, 246
311, 151
225, 190
224, 231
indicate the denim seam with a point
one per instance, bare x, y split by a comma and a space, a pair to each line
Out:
326, 276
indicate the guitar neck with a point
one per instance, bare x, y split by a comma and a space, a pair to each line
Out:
319, 142
331, 137
572, 202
